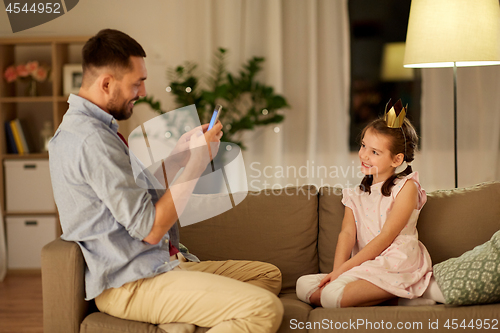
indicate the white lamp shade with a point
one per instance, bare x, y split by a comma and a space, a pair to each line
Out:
392, 63
441, 32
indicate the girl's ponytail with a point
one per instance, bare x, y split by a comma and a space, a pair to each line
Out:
390, 182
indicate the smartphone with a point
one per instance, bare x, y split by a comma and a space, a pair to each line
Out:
215, 116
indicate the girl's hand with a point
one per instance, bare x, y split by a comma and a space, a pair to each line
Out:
329, 278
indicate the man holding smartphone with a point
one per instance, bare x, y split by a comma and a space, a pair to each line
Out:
128, 235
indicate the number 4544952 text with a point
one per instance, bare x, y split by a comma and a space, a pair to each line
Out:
40, 8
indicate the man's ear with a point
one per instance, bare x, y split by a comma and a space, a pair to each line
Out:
105, 82
397, 160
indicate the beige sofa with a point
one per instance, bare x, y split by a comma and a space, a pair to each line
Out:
295, 229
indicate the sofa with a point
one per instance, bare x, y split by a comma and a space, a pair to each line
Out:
296, 229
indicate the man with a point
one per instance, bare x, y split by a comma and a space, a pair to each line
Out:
128, 235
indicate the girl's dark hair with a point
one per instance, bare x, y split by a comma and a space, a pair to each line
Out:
397, 146
111, 48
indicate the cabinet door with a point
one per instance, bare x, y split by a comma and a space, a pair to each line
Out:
28, 186
25, 238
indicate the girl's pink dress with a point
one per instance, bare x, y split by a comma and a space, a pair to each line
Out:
404, 268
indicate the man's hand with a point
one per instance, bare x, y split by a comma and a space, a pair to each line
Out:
204, 146
213, 136
181, 152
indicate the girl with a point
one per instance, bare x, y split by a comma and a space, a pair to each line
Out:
378, 254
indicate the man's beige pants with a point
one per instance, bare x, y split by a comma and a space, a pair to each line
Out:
207, 294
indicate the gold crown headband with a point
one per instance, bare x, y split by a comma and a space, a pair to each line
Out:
394, 117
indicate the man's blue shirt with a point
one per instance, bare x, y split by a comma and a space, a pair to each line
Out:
100, 205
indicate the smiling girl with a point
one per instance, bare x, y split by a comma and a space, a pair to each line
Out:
378, 255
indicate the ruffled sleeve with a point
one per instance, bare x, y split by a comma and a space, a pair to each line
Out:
422, 196
347, 197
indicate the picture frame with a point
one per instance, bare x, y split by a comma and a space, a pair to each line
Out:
72, 78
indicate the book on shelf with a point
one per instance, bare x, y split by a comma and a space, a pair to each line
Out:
11, 143
19, 137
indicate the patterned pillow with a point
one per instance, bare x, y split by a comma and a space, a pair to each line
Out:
472, 278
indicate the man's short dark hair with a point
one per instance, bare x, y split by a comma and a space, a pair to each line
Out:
110, 48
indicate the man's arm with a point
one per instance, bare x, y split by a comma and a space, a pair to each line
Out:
172, 203
177, 158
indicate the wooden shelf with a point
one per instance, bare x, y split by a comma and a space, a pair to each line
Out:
62, 98
36, 99
26, 99
25, 156
9, 213
44, 40
63, 50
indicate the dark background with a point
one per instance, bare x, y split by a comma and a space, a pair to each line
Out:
372, 24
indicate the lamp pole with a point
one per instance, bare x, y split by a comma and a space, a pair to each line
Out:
455, 120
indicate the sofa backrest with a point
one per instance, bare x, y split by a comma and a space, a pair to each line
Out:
455, 221
331, 214
275, 226
451, 222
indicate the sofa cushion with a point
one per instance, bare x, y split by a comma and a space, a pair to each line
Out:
102, 323
408, 318
455, 221
472, 278
331, 213
98, 322
275, 226
295, 309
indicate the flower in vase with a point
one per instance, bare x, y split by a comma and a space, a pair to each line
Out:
32, 66
22, 71
40, 74
30, 71
10, 74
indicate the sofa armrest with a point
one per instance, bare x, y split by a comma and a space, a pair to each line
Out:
63, 284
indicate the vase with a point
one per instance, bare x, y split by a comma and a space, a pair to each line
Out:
32, 90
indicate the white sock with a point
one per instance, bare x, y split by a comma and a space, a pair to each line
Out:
431, 296
433, 292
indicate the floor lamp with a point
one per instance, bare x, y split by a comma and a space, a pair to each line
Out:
453, 33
